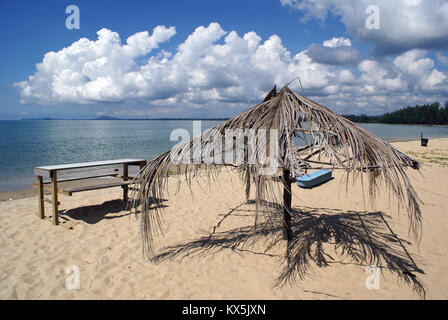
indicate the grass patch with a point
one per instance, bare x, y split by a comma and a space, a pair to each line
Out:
436, 156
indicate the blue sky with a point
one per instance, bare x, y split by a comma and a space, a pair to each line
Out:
217, 58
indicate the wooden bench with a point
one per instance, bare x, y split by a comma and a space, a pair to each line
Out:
47, 179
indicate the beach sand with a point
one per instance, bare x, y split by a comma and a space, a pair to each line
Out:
100, 238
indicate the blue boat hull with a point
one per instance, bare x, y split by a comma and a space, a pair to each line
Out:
314, 179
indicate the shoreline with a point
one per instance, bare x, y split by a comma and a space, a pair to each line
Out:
10, 195
411, 139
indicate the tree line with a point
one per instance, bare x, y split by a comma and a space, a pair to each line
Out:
429, 114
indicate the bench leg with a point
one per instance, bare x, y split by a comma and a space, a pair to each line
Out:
54, 195
40, 197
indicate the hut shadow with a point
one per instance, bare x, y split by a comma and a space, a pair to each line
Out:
107, 210
365, 237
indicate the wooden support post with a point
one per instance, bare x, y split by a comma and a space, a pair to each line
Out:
248, 184
257, 200
246, 162
40, 186
54, 195
125, 178
287, 233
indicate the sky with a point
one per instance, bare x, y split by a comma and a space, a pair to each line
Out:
212, 59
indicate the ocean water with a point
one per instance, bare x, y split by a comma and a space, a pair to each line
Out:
28, 144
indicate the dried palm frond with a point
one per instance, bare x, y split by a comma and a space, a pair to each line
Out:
277, 124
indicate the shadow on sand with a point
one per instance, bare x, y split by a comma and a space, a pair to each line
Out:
107, 210
365, 237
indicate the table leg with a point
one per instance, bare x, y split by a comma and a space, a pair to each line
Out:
125, 178
54, 194
40, 198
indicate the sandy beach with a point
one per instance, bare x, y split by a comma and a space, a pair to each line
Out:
100, 238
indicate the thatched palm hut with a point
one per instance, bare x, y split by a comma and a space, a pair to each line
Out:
324, 140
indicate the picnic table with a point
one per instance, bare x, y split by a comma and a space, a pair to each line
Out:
47, 179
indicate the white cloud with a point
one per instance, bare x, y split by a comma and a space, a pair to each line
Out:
376, 78
404, 24
88, 70
414, 62
337, 42
435, 81
346, 77
420, 71
215, 69
442, 59
210, 65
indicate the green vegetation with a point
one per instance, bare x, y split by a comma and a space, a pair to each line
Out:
430, 114
436, 156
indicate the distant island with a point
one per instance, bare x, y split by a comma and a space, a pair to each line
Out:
427, 114
106, 118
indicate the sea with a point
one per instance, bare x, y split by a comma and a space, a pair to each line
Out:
25, 144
